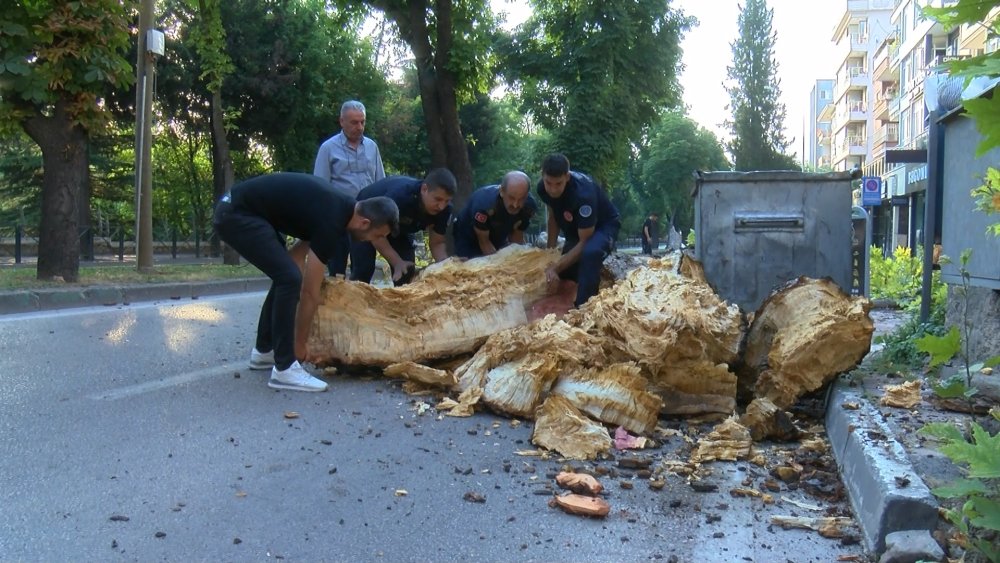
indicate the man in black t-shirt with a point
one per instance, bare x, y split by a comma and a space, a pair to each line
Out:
650, 234
495, 216
252, 216
423, 204
579, 208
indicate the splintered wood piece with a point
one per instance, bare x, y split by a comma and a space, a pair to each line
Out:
729, 441
412, 371
615, 395
904, 396
579, 483
828, 527
581, 505
562, 427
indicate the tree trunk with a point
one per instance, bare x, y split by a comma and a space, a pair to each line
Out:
437, 86
222, 173
458, 153
64, 158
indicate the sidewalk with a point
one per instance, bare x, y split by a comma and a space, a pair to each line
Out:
71, 296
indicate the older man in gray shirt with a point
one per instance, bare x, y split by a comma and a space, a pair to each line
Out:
350, 161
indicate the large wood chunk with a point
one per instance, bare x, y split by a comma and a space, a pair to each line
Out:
561, 427
449, 310
614, 395
802, 336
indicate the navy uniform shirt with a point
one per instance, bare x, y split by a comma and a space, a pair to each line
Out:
486, 212
582, 205
405, 192
300, 205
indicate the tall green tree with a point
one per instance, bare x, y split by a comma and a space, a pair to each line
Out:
55, 60
676, 148
450, 42
758, 116
596, 74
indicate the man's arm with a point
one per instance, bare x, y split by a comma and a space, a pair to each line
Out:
322, 166
438, 244
399, 266
552, 229
379, 172
309, 298
485, 245
517, 236
574, 253
645, 232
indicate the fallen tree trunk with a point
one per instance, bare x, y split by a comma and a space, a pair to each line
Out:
450, 310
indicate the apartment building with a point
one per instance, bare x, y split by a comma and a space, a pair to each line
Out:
889, 48
818, 151
863, 26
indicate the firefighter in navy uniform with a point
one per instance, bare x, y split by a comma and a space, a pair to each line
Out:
423, 205
580, 209
495, 217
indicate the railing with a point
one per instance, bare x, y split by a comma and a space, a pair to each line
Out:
18, 242
888, 134
856, 106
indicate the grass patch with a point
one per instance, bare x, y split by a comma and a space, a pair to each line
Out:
123, 274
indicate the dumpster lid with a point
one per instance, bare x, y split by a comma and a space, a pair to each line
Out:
768, 176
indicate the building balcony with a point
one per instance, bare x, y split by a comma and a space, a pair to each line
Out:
886, 137
853, 145
883, 100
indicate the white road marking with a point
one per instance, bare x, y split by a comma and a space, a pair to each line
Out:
180, 379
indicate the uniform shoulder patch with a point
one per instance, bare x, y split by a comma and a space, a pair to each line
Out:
568, 215
586, 211
481, 217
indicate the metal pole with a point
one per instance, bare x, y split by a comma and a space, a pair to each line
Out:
143, 141
935, 155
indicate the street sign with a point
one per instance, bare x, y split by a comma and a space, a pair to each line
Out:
871, 190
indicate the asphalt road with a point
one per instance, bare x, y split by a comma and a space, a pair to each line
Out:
136, 433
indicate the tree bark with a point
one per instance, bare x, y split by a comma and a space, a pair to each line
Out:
222, 173
437, 86
64, 158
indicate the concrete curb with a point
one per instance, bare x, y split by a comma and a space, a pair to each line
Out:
884, 489
30, 301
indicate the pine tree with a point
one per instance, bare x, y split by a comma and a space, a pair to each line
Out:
758, 141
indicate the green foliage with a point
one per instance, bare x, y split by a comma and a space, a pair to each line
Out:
899, 352
896, 277
596, 74
63, 52
675, 149
941, 348
757, 123
987, 197
978, 517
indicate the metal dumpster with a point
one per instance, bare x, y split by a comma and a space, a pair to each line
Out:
754, 231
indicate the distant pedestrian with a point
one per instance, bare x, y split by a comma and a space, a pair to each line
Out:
650, 234
250, 219
423, 205
579, 208
350, 161
495, 216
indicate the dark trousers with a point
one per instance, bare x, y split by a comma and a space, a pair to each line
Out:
338, 262
647, 247
587, 270
363, 258
261, 244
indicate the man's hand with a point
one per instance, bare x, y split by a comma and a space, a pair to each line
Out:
551, 279
400, 268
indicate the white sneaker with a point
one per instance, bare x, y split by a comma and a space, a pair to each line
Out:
261, 360
295, 378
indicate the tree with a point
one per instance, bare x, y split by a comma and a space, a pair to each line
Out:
757, 123
596, 74
677, 147
450, 44
55, 58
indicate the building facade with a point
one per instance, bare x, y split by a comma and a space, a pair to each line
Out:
819, 150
